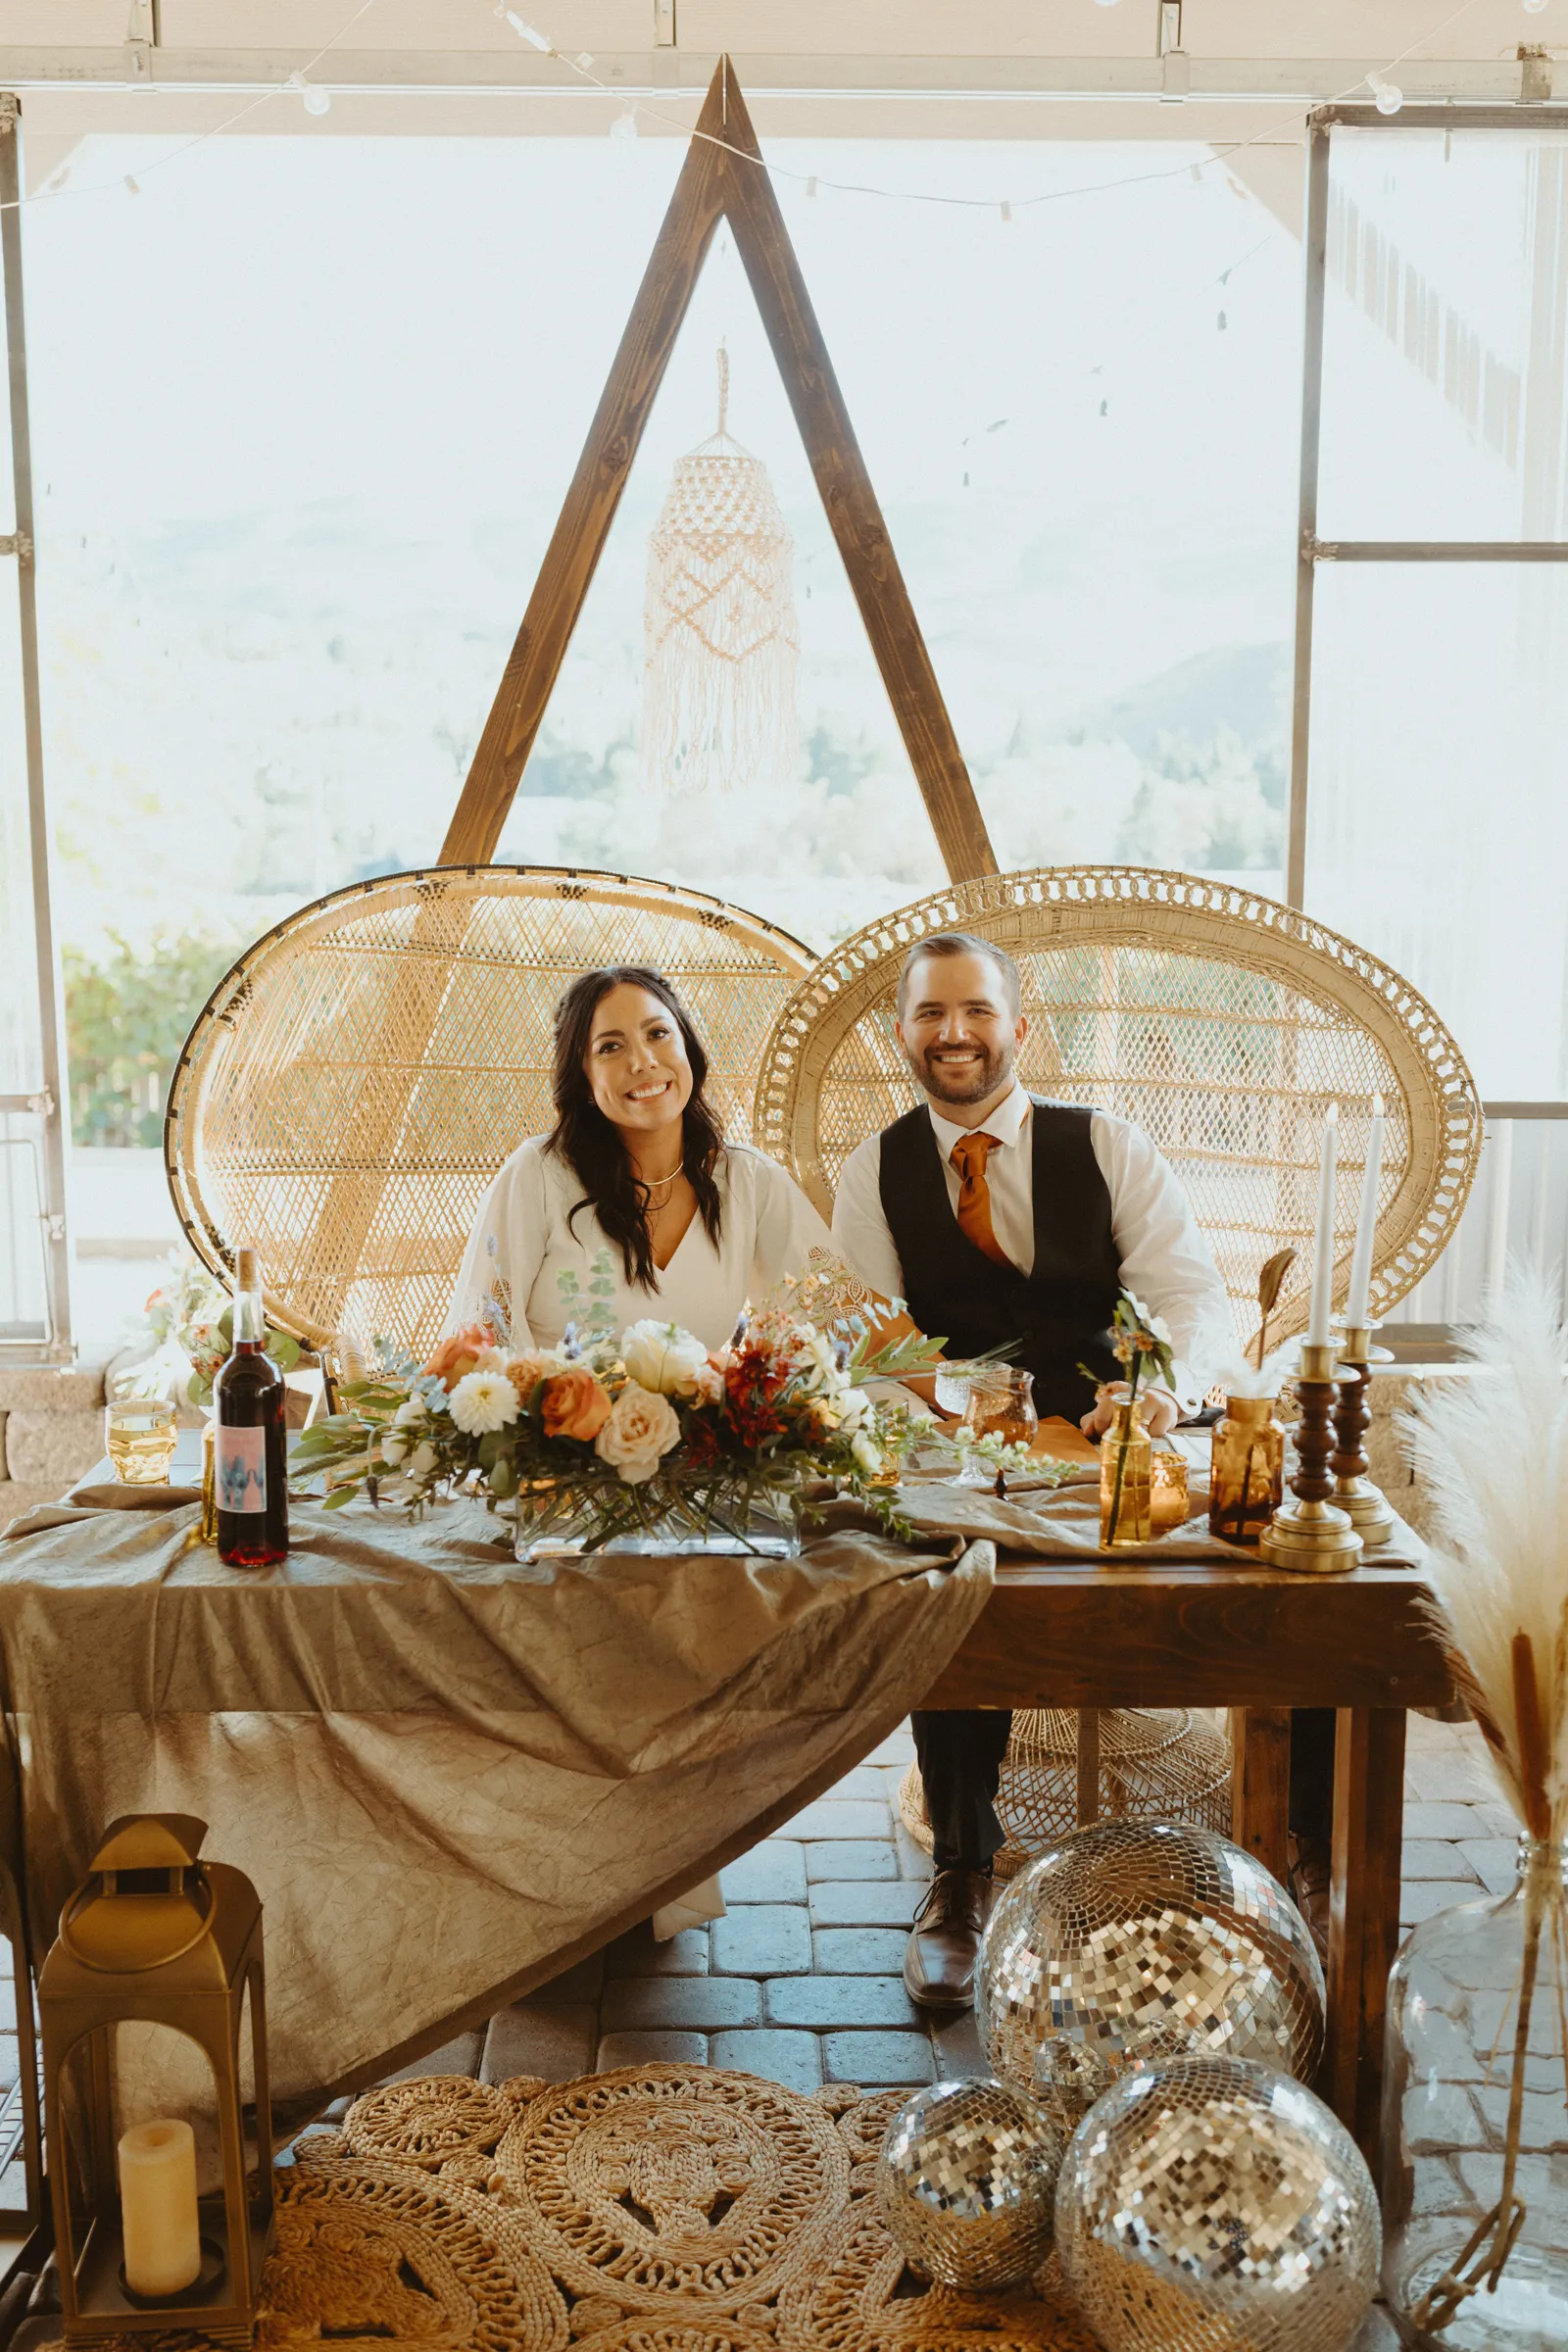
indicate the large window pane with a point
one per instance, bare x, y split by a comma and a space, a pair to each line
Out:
1437, 814
1445, 389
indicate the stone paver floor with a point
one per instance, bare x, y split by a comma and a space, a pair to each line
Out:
801, 1981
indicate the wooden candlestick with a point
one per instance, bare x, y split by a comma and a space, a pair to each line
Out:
1311, 1532
1360, 1500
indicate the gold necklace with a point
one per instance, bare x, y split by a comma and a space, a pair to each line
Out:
664, 1185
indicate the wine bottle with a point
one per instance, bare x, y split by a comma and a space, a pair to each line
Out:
250, 1454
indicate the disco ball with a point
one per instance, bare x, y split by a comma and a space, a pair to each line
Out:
1212, 2201
1130, 1941
965, 2183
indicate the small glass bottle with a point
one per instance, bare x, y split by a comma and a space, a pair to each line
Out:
249, 1446
1246, 1469
1126, 1468
1455, 2040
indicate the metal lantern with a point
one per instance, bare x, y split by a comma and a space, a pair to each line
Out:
156, 1936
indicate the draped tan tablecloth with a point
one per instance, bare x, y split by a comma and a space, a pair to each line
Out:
448, 1774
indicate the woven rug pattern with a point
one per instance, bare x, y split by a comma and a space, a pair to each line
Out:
657, 2209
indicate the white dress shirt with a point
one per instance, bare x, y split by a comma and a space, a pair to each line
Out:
1165, 1261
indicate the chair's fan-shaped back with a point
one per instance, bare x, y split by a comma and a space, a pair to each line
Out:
355, 1081
1221, 1022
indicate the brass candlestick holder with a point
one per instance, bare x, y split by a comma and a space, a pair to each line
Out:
1363, 1503
1312, 1532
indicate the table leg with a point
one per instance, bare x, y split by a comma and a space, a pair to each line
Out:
1261, 1783
1364, 1920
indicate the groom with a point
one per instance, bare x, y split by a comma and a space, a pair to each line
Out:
1000, 1218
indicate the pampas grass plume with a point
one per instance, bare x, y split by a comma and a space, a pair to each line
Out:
1492, 1450
1244, 1379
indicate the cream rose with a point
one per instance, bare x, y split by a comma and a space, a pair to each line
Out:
662, 1357
641, 1428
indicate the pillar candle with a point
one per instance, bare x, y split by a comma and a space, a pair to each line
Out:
1317, 1330
158, 2207
1366, 1224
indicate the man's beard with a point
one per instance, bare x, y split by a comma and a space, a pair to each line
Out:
966, 1081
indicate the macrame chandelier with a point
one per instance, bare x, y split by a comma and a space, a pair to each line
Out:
719, 692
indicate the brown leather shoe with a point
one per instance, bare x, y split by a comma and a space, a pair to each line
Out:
1310, 1874
939, 1960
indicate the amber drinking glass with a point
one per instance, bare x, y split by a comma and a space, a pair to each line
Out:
1001, 1403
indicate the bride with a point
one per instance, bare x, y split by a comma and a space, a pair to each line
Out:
635, 1166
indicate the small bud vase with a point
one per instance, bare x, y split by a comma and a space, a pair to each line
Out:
1126, 1470
1246, 1469
1475, 2120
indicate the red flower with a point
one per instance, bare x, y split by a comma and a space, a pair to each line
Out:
752, 1385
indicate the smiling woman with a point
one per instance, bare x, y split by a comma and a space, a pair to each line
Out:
636, 1168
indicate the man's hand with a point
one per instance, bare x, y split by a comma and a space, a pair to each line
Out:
1157, 1409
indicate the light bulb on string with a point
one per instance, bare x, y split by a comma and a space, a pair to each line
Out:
1533, 8
624, 127
314, 99
1387, 96
529, 33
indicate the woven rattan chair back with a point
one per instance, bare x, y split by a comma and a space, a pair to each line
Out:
1221, 1022
355, 1081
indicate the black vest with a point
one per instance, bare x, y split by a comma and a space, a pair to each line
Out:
1059, 1312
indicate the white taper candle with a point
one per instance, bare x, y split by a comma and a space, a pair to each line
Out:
1366, 1225
158, 2207
1317, 1329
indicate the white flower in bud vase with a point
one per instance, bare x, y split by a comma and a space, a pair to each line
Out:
394, 1443
641, 1428
867, 1453
482, 1401
662, 1357
424, 1461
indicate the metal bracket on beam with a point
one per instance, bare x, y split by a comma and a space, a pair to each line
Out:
39, 1107
1176, 67
1534, 76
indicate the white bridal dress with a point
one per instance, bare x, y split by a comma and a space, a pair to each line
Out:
522, 1244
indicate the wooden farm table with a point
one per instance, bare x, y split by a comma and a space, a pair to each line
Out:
1260, 1640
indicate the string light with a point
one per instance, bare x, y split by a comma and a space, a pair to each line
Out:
624, 127
132, 185
314, 99
1388, 94
529, 33
811, 187
1533, 8
1007, 209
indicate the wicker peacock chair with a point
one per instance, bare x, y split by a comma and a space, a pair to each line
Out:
1224, 1024
355, 1081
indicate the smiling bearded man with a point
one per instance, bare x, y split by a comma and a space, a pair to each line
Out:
1004, 1220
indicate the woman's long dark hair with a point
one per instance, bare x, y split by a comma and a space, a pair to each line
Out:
591, 1144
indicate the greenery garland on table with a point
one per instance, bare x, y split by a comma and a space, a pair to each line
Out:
638, 1428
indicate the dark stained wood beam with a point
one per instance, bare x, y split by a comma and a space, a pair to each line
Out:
722, 175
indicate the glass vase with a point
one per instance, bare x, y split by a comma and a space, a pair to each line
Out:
555, 1520
1246, 1469
1126, 1471
1475, 2120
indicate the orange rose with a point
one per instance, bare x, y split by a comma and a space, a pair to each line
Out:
574, 1406
525, 1372
456, 1357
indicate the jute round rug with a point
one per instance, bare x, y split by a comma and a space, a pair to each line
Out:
660, 2209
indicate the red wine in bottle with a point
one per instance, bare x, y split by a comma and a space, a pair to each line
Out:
250, 1457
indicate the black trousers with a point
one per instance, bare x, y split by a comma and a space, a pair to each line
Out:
1312, 1772
960, 1752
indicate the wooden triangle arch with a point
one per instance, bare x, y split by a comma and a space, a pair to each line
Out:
723, 177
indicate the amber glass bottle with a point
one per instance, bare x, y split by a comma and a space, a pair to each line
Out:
250, 1454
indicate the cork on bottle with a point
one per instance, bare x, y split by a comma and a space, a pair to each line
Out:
247, 1273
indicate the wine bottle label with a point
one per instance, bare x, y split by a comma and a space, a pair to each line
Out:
241, 1468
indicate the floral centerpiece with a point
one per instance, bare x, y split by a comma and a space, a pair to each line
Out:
183, 1336
634, 1437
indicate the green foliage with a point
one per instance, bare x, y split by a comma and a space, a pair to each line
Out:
127, 1015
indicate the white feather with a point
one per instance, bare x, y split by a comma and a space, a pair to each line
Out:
1492, 1450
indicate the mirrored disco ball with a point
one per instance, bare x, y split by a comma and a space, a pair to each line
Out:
967, 2183
1210, 2202
1135, 1941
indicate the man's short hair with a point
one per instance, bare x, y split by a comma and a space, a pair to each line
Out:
961, 943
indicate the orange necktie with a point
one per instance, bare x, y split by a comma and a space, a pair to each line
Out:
970, 1156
